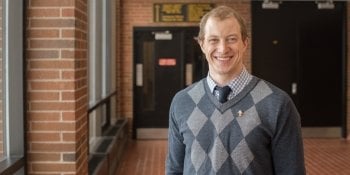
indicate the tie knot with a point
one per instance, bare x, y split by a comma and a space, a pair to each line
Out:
223, 93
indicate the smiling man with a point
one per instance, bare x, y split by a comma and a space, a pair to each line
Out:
232, 122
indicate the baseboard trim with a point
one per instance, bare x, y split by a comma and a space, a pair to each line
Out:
321, 132
152, 133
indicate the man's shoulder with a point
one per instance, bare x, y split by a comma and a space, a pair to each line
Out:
196, 87
268, 88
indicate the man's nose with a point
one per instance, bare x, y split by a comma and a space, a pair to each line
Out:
222, 46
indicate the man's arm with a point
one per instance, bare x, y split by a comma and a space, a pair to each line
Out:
176, 148
287, 144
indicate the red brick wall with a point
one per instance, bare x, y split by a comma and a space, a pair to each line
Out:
140, 13
57, 87
118, 57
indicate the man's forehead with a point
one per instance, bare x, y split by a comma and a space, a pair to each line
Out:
212, 27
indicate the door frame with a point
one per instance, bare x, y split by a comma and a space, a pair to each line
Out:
151, 132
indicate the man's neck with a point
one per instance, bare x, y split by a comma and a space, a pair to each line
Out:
224, 79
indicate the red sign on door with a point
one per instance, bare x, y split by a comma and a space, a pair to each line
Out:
167, 62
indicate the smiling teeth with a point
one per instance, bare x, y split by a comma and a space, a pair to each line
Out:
223, 58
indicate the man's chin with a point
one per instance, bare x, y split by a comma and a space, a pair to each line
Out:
224, 72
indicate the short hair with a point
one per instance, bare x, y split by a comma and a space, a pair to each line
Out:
222, 12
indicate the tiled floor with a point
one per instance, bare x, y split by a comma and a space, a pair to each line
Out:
322, 157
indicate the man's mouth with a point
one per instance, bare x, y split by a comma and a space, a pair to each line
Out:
223, 58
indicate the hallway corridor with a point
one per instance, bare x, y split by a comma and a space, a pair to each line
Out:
322, 157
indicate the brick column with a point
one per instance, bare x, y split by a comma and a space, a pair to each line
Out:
57, 128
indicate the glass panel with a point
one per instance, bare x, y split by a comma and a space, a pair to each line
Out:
104, 115
1, 85
148, 76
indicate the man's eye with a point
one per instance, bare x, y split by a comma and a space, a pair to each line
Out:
213, 40
232, 40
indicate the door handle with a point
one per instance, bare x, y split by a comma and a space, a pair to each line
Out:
139, 75
294, 88
189, 74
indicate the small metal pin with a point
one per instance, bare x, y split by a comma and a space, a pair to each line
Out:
240, 113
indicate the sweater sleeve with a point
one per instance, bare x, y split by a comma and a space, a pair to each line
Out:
287, 144
176, 148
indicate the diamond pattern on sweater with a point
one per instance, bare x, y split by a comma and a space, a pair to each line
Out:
249, 120
242, 156
261, 91
198, 155
220, 121
196, 121
218, 154
197, 92
203, 126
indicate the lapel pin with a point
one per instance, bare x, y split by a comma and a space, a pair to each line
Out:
240, 113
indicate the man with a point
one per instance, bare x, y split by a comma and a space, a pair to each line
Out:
232, 122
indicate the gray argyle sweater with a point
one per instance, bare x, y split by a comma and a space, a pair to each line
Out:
256, 132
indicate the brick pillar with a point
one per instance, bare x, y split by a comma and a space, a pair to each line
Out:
57, 128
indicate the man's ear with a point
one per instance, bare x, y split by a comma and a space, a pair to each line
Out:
201, 42
245, 43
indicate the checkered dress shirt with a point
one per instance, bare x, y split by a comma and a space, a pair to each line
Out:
236, 84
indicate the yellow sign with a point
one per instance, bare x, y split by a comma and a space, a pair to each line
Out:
196, 11
180, 12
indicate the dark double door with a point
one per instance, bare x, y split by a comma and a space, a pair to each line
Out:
166, 59
301, 49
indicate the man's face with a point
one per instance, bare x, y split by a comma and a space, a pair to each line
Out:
223, 47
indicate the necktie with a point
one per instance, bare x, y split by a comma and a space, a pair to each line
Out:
223, 93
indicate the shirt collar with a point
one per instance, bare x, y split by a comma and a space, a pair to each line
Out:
241, 79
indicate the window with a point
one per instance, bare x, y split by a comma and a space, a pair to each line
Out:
101, 63
11, 87
1, 86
